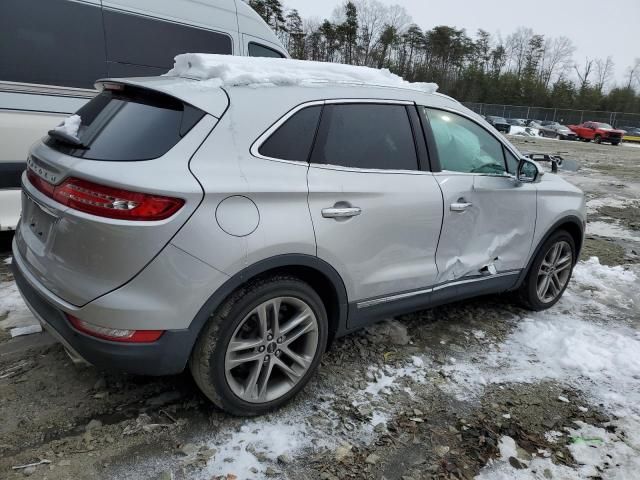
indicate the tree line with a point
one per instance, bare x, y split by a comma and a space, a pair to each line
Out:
524, 68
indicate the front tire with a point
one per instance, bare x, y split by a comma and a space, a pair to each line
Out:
261, 346
597, 139
549, 274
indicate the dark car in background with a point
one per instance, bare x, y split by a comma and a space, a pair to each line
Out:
499, 123
516, 122
551, 129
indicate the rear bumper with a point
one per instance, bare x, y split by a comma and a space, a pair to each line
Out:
168, 355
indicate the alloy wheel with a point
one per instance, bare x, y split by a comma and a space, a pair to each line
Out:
554, 271
271, 350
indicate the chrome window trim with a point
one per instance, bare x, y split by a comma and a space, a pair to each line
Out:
454, 283
333, 101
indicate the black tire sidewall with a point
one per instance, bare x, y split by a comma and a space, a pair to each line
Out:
530, 294
218, 337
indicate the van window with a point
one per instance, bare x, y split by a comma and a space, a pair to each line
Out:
144, 41
366, 136
129, 125
52, 42
294, 138
257, 50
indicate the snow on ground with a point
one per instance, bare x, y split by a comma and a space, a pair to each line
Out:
586, 341
13, 308
232, 71
612, 230
240, 452
524, 131
629, 144
610, 201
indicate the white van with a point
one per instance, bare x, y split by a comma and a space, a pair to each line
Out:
52, 52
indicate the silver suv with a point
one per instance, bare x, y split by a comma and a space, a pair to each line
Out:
239, 230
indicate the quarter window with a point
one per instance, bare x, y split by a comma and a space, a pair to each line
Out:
374, 136
257, 50
512, 162
464, 146
294, 138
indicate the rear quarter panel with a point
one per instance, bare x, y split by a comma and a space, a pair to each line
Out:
226, 168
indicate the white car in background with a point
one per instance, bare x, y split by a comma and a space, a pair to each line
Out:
53, 51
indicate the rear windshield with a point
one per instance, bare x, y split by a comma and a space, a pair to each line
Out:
129, 125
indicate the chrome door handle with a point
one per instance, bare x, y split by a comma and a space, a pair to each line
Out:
341, 212
460, 207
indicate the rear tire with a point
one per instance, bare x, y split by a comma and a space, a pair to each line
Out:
615, 144
549, 274
261, 346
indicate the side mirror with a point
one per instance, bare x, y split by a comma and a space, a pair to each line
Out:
529, 171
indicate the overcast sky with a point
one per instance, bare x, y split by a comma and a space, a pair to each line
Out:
598, 28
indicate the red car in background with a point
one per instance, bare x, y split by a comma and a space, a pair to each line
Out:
598, 132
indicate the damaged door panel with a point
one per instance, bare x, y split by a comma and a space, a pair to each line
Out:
489, 217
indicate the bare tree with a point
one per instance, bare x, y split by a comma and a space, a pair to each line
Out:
584, 72
371, 16
633, 73
603, 72
517, 46
557, 59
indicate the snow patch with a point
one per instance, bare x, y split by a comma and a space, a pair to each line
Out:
228, 70
612, 230
597, 203
241, 452
70, 126
572, 343
524, 131
8, 260
28, 330
598, 453
388, 378
13, 312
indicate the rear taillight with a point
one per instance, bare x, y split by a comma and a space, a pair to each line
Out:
115, 334
106, 201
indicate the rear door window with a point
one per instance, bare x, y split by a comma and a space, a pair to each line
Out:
366, 135
129, 125
294, 138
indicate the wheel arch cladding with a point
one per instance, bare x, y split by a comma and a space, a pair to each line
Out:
321, 276
572, 225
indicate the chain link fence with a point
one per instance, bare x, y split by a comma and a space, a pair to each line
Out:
561, 115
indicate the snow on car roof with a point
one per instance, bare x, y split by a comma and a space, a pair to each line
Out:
228, 70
